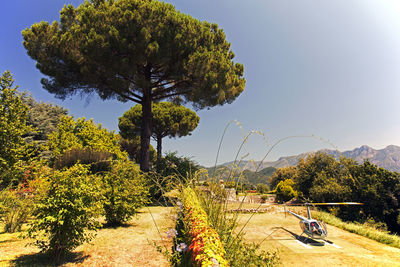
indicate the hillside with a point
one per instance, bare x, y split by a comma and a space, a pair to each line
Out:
388, 158
249, 176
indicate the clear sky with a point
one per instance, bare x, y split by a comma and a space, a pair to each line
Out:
322, 67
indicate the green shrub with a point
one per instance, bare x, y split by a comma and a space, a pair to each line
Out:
205, 247
172, 164
66, 211
125, 191
262, 188
15, 208
284, 191
249, 254
99, 161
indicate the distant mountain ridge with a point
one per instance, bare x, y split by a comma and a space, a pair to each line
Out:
388, 158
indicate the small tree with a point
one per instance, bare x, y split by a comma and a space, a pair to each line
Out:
66, 211
168, 120
125, 191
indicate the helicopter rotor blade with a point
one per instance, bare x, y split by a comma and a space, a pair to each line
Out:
325, 204
335, 203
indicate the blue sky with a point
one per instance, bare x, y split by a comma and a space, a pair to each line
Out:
313, 67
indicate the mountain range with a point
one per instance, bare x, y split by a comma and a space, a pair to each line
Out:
388, 158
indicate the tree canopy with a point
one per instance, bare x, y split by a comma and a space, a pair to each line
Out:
80, 134
169, 120
136, 50
42, 116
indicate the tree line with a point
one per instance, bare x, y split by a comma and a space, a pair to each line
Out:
322, 178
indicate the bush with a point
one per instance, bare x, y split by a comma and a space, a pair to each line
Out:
66, 211
171, 171
172, 164
99, 161
206, 247
262, 188
125, 191
15, 208
284, 191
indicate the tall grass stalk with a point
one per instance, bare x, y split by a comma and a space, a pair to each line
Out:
215, 204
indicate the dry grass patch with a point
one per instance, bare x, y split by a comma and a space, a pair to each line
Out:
273, 230
130, 245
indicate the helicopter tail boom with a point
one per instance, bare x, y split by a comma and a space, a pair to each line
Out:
297, 215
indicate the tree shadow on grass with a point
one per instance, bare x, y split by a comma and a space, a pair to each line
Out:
44, 259
115, 226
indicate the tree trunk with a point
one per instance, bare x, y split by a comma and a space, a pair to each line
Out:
159, 148
146, 131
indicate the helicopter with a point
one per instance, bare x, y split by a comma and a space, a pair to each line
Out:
313, 228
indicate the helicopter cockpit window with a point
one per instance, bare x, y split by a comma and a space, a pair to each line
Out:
313, 224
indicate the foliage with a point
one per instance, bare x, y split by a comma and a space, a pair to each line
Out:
66, 211
124, 190
172, 171
282, 174
132, 147
311, 167
98, 161
142, 51
172, 164
249, 254
284, 191
262, 188
325, 189
206, 247
379, 190
15, 208
43, 117
82, 133
168, 120
322, 178
224, 221
13, 126
360, 229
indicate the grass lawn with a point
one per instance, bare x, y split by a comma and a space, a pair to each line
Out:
130, 245
278, 232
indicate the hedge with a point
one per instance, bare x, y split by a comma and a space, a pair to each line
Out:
206, 247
